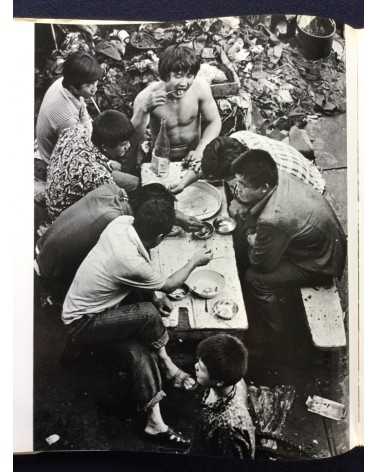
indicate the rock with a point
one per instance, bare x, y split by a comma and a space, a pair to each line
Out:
299, 139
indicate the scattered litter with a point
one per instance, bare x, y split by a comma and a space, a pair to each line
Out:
324, 407
52, 439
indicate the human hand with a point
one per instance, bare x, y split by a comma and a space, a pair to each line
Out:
162, 303
237, 209
155, 98
115, 165
251, 238
177, 188
190, 223
202, 257
191, 158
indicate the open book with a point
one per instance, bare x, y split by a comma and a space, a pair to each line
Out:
282, 84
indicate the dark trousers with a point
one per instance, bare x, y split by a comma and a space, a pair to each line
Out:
262, 289
140, 331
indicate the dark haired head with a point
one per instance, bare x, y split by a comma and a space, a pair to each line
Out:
153, 217
154, 190
178, 59
80, 68
225, 358
257, 167
111, 128
218, 156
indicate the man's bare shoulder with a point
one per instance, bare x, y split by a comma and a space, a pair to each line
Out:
202, 88
151, 88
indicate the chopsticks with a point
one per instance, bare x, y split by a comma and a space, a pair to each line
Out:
95, 105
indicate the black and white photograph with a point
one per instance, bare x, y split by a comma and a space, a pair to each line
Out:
191, 290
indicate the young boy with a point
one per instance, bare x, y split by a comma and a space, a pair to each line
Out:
81, 163
225, 427
63, 105
186, 103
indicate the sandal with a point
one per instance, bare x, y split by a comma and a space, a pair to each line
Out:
178, 380
169, 438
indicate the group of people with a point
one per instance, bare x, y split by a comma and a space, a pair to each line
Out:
104, 223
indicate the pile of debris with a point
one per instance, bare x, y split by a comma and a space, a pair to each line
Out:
284, 88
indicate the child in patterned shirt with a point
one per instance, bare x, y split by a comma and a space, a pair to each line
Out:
225, 426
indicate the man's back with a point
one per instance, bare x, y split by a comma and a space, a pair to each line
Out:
73, 234
116, 264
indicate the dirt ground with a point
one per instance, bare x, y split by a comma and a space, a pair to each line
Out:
87, 405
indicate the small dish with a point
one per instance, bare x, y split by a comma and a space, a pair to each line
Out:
175, 231
225, 309
206, 231
206, 283
224, 225
179, 293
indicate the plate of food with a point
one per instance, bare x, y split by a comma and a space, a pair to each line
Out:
206, 283
224, 225
206, 231
200, 200
179, 293
225, 309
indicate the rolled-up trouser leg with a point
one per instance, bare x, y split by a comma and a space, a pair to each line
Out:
145, 374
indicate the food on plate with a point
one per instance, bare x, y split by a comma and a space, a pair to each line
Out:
224, 225
225, 309
179, 293
205, 232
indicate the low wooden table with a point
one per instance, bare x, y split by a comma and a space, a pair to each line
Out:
194, 313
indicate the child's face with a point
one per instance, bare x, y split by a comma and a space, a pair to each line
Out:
178, 83
202, 374
87, 90
119, 151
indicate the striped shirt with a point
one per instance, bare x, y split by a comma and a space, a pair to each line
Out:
60, 109
287, 158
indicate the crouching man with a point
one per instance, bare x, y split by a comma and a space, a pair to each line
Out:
96, 308
291, 235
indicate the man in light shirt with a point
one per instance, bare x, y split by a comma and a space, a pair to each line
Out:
96, 309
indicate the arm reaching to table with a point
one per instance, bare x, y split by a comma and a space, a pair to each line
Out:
176, 280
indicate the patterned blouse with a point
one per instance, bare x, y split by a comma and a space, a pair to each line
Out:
76, 167
224, 428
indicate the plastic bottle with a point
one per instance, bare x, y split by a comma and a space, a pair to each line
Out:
160, 153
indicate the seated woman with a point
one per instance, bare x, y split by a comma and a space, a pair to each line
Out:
80, 164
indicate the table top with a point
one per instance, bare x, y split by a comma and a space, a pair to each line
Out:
173, 252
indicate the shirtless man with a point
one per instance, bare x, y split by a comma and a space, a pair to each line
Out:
186, 103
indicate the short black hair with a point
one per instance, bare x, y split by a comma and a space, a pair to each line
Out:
225, 357
178, 58
81, 68
258, 168
146, 192
111, 128
154, 216
218, 156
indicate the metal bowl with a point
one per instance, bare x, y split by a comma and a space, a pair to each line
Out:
179, 293
206, 283
206, 231
224, 225
225, 309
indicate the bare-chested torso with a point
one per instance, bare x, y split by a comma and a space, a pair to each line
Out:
182, 117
